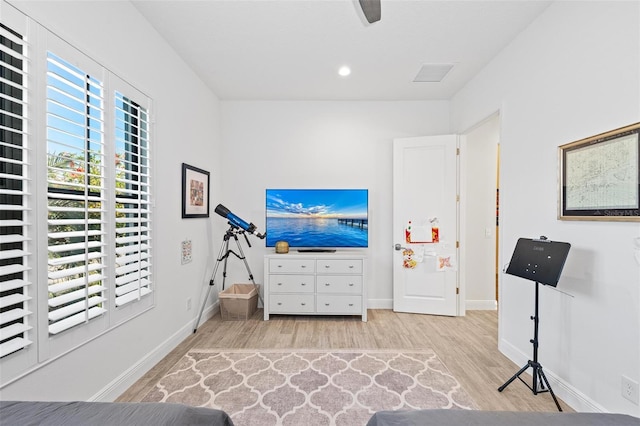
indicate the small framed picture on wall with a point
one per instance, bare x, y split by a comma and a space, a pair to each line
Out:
195, 192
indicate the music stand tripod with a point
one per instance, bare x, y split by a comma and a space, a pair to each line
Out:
538, 260
223, 257
537, 373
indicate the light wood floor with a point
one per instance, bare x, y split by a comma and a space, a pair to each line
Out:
467, 345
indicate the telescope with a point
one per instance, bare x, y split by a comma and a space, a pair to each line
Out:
237, 222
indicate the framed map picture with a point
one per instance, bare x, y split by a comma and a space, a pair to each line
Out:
195, 192
600, 177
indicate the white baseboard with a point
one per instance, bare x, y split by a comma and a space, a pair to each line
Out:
481, 305
125, 380
380, 304
570, 395
471, 305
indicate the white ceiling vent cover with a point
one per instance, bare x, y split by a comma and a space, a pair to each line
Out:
432, 73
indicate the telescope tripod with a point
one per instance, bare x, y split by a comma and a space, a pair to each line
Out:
538, 374
223, 257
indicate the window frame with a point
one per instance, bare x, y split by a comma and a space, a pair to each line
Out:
45, 347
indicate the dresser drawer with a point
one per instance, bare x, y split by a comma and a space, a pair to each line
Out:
292, 303
339, 266
291, 283
339, 304
299, 266
343, 284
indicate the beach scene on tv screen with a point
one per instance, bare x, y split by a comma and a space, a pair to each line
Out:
317, 217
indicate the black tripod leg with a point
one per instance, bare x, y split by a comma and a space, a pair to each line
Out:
224, 267
553, 395
515, 376
246, 265
195, 325
223, 249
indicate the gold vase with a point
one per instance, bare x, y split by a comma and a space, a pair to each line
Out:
282, 247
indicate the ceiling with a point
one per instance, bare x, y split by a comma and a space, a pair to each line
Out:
292, 49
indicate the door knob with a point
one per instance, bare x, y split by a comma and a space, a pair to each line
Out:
399, 247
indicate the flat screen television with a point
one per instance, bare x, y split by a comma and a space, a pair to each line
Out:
317, 219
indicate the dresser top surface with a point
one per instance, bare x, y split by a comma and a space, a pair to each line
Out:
336, 255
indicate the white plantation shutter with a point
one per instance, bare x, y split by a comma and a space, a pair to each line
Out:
15, 292
76, 196
75, 225
133, 208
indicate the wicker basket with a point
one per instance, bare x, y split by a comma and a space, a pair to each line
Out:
238, 302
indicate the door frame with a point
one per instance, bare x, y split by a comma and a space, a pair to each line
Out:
463, 206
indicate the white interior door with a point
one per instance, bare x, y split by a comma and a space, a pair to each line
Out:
425, 225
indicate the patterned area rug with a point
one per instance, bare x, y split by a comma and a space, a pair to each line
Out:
310, 387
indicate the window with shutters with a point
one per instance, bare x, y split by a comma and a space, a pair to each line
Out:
75, 196
98, 209
75, 208
15, 314
133, 210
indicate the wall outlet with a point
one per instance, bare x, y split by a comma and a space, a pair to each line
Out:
188, 304
630, 389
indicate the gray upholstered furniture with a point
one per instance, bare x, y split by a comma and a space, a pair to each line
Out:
76, 413
497, 418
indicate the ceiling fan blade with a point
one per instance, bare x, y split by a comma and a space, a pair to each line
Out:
371, 10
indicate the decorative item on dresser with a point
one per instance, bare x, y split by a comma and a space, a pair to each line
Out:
313, 284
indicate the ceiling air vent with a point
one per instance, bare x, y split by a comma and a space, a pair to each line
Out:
432, 73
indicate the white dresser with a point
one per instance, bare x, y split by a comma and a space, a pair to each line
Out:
315, 284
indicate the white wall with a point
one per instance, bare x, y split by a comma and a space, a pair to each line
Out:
479, 167
575, 72
320, 145
186, 130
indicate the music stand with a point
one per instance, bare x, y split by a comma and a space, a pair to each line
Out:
538, 260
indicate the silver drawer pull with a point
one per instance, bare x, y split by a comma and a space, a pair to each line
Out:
303, 266
327, 284
279, 283
350, 304
350, 266
326, 304
279, 303
279, 266
303, 284
303, 304
350, 284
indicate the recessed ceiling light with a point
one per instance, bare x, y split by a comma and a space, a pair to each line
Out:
344, 71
